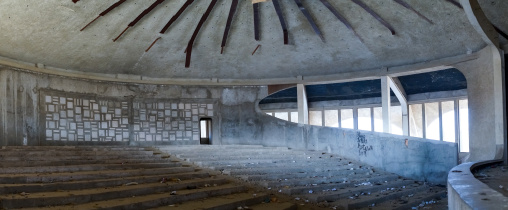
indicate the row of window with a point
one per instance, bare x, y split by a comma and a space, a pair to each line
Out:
445, 120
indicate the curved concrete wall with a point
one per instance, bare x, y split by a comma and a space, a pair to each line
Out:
40, 109
467, 192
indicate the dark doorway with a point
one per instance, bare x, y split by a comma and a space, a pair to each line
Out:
205, 130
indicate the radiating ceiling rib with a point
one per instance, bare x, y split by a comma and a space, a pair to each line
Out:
278, 10
309, 18
406, 5
232, 11
194, 35
375, 15
140, 16
115, 5
341, 18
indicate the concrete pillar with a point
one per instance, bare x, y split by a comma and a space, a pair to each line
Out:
385, 102
303, 108
486, 111
399, 91
355, 118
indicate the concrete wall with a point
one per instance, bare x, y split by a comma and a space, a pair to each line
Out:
420, 159
39, 109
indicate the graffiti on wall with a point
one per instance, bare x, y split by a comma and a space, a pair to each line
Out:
363, 148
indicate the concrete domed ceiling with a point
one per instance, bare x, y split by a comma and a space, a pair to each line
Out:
48, 32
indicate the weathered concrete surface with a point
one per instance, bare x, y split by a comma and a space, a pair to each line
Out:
328, 179
47, 33
118, 186
485, 101
466, 192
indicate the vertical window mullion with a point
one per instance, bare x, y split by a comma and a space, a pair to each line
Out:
440, 110
424, 122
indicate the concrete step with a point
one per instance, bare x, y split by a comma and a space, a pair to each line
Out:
294, 182
275, 206
366, 201
76, 157
93, 167
249, 162
157, 199
253, 159
295, 169
82, 162
348, 184
249, 153
282, 176
215, 147
233, 201
98, 183
87, 175
59, 153
71, 148
302, 164
43, 199
409, 201
334, 195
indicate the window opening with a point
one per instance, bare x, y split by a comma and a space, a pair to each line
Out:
205, 128
346, 118
364, 119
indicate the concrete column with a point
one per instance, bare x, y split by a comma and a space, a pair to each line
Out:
355, 118
399, 91
485, 94
303, 108
385, 102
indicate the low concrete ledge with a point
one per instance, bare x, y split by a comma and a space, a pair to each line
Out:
467, 192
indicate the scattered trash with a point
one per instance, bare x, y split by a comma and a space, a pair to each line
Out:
254, 195
501, 186
163, 180
310, 191
334, 189
297, 198
239, 208
131, 183
410, 195
24, 193
208, 185
173, 193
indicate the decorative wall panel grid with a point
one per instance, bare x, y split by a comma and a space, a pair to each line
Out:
165, 121
80, 119
73, 119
